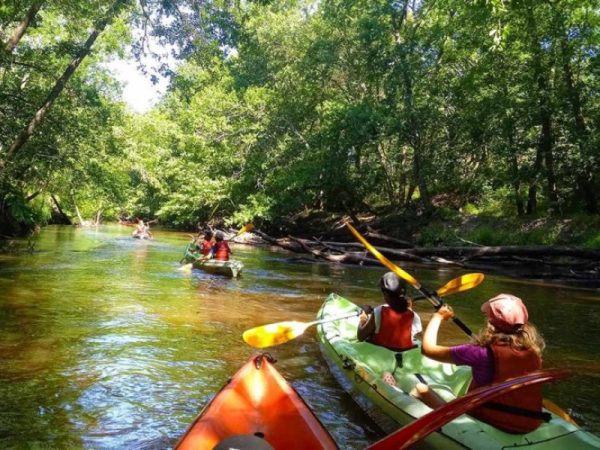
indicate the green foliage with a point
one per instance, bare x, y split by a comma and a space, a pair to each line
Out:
337, 107
593, 242
24, 214
470, 209
256, 209
434, 235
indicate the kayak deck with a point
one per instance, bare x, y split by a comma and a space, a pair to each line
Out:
359, 367
258, 401
230, 268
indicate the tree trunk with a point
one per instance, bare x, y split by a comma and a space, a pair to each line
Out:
22, 27
545, 111
81, 221
61, 216
39, 116
388, 184
585, 177
32, 196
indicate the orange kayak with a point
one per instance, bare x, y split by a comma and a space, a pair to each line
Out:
257, 402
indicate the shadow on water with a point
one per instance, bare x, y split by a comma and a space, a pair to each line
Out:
105, 344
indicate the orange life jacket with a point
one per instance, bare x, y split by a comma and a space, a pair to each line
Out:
222, 251
395, 329
206, 247
511, 363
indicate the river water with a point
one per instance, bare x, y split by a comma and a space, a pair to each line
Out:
105, 344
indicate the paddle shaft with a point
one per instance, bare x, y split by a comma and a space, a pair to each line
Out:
432, 297
332, 319
438, 303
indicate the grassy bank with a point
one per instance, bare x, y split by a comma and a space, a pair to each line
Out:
457, 228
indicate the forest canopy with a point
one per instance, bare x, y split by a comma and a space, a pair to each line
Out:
279, 108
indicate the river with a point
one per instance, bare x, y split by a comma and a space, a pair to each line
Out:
105, 344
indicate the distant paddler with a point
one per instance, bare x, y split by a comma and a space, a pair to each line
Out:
142, 230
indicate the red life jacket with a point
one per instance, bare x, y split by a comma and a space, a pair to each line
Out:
206, 247
222, 251
395, 329
511, 363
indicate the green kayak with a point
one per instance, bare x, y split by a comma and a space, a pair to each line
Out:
231, 268
359, 367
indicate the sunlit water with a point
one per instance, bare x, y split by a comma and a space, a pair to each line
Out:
105, 344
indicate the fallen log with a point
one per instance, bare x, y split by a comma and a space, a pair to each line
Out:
345, 257
508, 250
533, 262
404, 255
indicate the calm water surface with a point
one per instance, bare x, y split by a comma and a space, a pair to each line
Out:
105, 344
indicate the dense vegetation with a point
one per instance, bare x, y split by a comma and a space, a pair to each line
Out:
285, 108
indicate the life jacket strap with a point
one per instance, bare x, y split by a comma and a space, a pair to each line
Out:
540, 415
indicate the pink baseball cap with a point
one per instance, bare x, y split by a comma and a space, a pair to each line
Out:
506, 312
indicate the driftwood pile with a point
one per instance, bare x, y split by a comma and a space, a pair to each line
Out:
571, 265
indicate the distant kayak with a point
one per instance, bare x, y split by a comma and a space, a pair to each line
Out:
141, 236
257, 404
231, 268
359, 367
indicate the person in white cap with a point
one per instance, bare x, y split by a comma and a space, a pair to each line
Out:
508, 346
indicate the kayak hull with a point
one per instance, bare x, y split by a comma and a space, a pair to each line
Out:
231, 268
257, 401
359, 367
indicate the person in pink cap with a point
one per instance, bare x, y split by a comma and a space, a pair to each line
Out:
506, 347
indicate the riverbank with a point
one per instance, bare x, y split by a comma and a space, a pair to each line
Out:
552, 250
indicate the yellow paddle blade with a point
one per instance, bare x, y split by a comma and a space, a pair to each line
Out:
246, 228
462, 283
386, 262
274, 333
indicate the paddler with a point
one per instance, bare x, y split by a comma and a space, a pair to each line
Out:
393, 325
508, 346
220, 251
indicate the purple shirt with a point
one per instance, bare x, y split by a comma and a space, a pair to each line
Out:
481, 360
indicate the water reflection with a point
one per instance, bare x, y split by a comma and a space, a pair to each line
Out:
105, 344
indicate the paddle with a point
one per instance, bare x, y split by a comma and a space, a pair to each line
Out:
414, 432
458, 284
244, 229
431, 296
282, 332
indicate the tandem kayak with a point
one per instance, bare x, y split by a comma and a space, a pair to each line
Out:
257, 402
359, 367
231, 268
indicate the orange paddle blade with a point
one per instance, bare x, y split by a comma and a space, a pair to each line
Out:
386, 262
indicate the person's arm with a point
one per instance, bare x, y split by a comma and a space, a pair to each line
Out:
366, 326
429, 347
